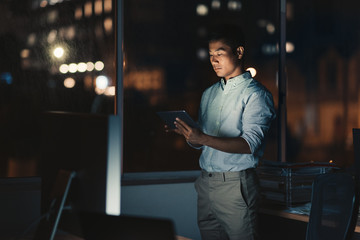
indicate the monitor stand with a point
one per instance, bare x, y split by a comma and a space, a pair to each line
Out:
49, 222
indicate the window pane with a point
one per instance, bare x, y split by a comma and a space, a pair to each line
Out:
323, 79
167, 68
53, 53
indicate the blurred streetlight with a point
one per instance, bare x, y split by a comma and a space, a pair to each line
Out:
99, 65
102, 82
202, 10
69, 82
58, 52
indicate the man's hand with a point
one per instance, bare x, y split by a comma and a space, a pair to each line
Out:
197, 138
192, 135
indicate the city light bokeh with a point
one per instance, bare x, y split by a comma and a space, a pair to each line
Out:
56, 53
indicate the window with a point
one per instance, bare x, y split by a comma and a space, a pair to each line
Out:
60, 55
167, 68
323, 94
56, 56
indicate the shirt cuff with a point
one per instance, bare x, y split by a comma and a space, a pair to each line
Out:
193, 146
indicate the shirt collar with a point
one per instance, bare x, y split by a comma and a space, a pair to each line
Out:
235, 81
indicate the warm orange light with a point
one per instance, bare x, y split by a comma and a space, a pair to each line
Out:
252, 71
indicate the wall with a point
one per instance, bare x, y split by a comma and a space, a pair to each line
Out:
175, 200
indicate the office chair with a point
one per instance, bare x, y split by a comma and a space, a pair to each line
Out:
332, 207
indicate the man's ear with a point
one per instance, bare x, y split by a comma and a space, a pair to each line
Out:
240, 52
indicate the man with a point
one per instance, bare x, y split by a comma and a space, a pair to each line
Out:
234, 117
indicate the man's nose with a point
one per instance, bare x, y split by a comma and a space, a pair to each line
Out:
214, 59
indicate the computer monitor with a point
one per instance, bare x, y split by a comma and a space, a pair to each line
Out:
90, 145
99, 226
81, 167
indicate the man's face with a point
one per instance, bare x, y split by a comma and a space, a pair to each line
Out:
223, 60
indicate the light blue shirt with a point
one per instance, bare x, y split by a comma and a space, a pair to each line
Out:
240, 108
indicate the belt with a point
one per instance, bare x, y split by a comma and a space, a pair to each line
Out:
224, 176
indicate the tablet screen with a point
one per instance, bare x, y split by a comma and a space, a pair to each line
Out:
169, 118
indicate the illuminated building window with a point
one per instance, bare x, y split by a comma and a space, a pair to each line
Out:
215, 4
88, 9
234, 5
69, 82
108, 25
98, 7
145, 80
43, 3
107, 6
52, 16
70, 33
78, 13
51, 36
25, 53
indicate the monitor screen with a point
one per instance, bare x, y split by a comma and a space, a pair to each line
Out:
90, 145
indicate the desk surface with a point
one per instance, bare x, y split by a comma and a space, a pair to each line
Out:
284, 213
64, 236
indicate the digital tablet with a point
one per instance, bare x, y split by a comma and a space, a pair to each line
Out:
169, 118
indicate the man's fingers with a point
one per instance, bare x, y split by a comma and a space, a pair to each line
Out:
179, 126
168, 129
181, 123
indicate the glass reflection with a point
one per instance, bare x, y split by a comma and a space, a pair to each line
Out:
49, 52
166, 68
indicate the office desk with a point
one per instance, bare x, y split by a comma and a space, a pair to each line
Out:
64, 236
277, 221
281, 212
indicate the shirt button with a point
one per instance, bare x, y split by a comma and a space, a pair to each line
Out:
210, 175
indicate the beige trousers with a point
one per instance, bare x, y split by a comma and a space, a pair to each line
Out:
228, 205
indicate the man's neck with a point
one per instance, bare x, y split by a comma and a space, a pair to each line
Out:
235, 75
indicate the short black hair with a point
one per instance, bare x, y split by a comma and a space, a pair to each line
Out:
231, 34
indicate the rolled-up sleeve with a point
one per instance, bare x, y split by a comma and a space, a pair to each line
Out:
257, 117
